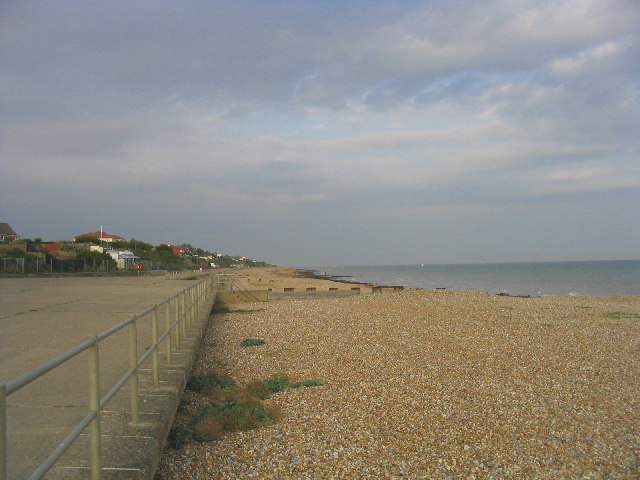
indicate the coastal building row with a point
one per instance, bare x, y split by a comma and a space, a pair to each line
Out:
107, 243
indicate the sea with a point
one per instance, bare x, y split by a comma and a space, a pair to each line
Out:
535, 279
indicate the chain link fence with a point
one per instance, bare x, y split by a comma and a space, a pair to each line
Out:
53, 265
72, 265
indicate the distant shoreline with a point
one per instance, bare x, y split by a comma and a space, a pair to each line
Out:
313, 274
316, 275
594, 278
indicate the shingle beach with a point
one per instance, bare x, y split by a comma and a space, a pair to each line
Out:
429, 384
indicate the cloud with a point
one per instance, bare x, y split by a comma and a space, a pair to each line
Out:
334, 115
588, 177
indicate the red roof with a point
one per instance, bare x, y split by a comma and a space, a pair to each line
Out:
177, 250
101, 235
51, 247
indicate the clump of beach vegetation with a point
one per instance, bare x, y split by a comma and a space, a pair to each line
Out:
222, 406
621, 315
219, 308
252, 342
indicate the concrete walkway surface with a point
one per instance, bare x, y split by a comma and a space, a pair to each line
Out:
41, 318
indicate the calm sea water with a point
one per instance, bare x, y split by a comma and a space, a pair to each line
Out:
602, 278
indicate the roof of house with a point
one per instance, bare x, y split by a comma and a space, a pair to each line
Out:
101, 235
5, 229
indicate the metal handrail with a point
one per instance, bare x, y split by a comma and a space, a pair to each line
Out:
188, 304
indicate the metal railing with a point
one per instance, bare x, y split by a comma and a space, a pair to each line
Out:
181, 312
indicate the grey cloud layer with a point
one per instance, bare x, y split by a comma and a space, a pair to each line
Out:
343, 107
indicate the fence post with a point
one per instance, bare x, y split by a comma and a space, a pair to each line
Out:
192, 312
178, 321
194, 304
186, 312
133, 361
3, 432
155, 346
182, 315
205, 286
95, 449
167, 315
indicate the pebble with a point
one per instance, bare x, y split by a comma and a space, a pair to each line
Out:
426, 384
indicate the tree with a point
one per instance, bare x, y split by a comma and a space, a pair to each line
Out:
87, 239
138, 246
164, 248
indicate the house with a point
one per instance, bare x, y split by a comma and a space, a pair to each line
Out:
177, 250
51, 247
124, 258
102, 236
7, 233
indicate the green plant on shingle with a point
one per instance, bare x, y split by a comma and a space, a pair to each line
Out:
252, 342
219, 308
183, 406
180, 435
310, 382
227, 408
257, 388
209, 381
208, 429
277, 383
247, 310
237, 410
621, 315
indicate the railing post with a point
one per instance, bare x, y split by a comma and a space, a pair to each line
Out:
95, 448
178, 321
185, 313
133, 361
196, 299
167, 315
196, 303
3, 432
192, 312
154, 343
182, 315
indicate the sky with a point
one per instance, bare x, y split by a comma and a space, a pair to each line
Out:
308, 133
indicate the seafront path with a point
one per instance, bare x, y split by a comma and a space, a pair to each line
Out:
40, 318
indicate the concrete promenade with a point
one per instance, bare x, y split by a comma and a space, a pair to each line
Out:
41, 318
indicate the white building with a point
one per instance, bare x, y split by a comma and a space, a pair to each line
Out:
124, 258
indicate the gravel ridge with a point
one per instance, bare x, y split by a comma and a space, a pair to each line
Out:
431, 384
